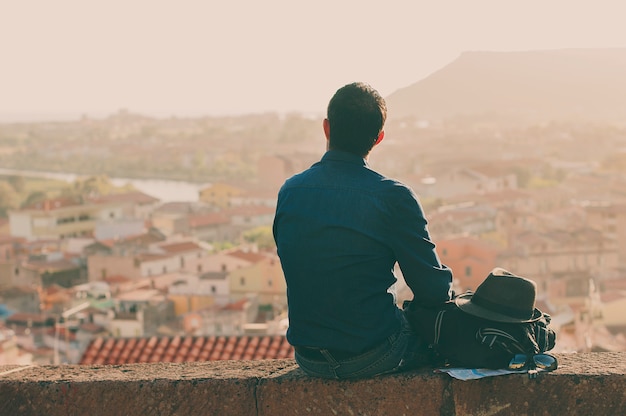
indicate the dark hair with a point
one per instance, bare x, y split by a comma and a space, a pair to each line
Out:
356, 115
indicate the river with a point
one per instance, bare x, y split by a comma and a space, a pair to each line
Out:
165, 190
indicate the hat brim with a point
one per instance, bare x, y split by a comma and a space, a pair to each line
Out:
464, 303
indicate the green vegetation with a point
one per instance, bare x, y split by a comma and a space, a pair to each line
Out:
547, 178
261, 236
126, 145
20, 191
538, 183
9, 198
221, 246
17, 191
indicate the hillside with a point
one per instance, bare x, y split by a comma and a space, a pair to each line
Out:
537, 85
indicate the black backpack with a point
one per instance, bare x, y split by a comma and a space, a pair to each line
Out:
457, 339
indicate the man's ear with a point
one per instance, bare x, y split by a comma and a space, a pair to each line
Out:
380, 137
326, 125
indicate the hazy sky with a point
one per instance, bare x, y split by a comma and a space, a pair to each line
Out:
177, 57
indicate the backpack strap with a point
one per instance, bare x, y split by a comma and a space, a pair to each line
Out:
438, 324
494, 337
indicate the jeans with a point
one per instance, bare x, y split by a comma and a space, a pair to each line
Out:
398, 352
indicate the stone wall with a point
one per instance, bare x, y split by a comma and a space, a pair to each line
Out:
584, 384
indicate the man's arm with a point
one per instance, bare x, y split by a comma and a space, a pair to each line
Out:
430, 281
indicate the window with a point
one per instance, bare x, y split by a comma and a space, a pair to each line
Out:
213, 289
242, 281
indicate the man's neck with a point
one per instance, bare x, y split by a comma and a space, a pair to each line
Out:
328, 148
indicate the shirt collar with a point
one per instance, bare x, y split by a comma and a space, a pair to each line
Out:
341, 156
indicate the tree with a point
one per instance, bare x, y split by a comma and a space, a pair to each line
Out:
35, 197
17, 182
261, 236
9, 199
94, 185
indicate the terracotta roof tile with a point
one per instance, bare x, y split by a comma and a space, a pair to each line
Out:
118, 278
209, 219
52, 204
134, 197
180, 247
249, 256
185, 349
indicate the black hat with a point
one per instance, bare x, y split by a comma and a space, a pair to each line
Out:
502, 297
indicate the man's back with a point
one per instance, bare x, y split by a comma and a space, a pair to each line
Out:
337, 234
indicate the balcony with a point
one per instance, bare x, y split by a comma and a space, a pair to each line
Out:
584, 384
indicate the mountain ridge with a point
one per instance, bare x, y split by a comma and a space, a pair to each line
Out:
537, 84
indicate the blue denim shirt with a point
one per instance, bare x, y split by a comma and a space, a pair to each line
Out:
340, 227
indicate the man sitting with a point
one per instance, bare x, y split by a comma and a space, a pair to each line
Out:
340, 227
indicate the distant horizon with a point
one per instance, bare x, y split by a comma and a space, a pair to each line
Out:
75, 115
245, 57
65, 116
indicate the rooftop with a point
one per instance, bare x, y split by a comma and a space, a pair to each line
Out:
179, 247
52, 204
135, 197
178, 349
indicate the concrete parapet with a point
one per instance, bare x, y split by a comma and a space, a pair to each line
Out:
584, 384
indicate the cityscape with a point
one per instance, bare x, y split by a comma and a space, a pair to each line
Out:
142, 149
91, 271
98, 268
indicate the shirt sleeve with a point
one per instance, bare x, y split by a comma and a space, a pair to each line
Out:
430, 281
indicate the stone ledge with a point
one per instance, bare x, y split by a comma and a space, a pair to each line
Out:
584, 384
